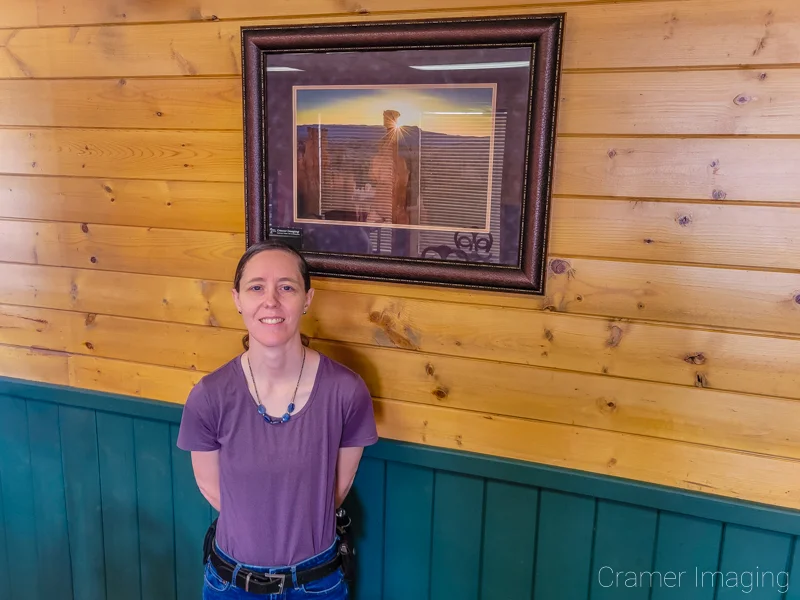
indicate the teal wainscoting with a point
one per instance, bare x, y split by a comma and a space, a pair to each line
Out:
98, 503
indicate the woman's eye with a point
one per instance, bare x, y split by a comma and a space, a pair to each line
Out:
256, 288
287, 288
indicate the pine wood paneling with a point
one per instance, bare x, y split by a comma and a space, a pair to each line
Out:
752, 300
728, 298
743, 236
175, 103
138, 154
702, 169
726, 102
645, 34
666, 348
689, 466
167, 204
729, 102
134, 249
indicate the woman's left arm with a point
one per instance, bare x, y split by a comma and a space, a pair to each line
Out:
346, 467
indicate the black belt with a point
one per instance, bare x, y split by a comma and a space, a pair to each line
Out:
270, 583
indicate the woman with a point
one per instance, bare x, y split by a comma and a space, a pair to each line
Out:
276, 435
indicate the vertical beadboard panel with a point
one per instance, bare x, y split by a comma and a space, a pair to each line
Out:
564, 556
409, 513
21, 525
509, 541
457, 533
155, 510
624, 539
120, 514
366, 504
685, 545
84, 504
752, 564
192, 518
5, 584
50, 508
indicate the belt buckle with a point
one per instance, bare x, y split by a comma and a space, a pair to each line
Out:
281, 577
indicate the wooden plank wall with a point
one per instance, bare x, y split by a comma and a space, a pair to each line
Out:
666, 350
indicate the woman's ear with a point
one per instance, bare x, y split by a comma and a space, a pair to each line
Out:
309, 298
235, 295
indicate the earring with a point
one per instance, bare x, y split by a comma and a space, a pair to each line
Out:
240, 312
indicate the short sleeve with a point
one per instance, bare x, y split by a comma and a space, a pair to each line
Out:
359, 423
198, 430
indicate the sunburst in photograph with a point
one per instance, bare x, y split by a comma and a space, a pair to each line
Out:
414, 157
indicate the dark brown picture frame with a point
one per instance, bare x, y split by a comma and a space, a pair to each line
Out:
543, 33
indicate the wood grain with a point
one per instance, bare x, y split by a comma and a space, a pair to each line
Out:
173, 345
687, 466
176, 103
742, 236
77, 12
718, 298
729, 102
131, 379
645, 35
728, 298
137, 154
755, 170
34, 365
132, 249
723, 419
144, 203
638, 350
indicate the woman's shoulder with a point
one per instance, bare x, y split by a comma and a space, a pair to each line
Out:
220, 379
336, 372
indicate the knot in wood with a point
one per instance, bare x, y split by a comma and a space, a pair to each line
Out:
718, 195
741, 99
429, 369
612, 153
797, 299
684, 220
695, 359
84, 228
559, 266
440, 393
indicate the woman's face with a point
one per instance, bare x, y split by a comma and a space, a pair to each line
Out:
271, 297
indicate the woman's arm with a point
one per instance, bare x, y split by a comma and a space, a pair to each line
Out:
206, 473
346, 467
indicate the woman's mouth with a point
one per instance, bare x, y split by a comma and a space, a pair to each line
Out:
272, 320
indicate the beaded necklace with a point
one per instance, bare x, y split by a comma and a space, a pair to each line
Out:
289, 409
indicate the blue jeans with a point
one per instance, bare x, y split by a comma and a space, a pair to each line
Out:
330, 587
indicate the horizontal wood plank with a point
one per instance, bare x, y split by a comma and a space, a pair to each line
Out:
18, 13
639, 350
131, 379
136, 154
166, 344
131, 249
643, 351
687, 466
77, 12
145, 203
727, 298
645, 35
178, 103
728, 102
743, 236
723, 419
703, 169
34, 365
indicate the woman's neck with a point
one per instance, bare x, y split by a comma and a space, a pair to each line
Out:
276, 363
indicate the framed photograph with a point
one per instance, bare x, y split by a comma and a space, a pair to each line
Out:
408, 151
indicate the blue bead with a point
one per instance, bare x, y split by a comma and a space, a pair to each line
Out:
291, 408
261, 409
286, 417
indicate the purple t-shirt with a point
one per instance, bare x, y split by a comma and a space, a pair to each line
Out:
277, 482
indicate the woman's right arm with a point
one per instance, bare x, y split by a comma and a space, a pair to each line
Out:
206, 473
